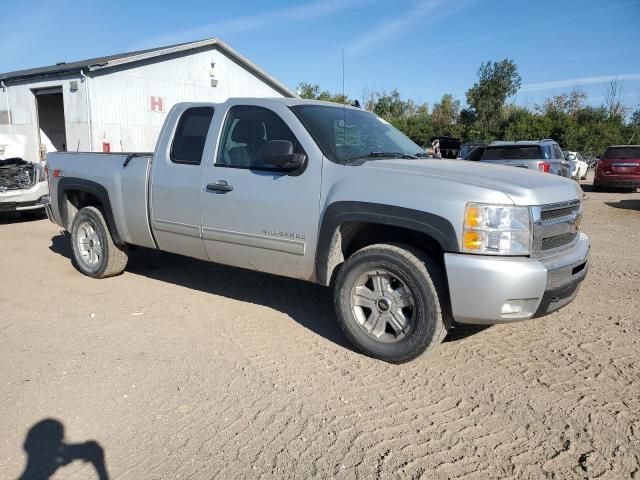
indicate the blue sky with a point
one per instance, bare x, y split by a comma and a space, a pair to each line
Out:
425, 48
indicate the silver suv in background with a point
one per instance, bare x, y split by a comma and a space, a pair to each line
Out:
541, 155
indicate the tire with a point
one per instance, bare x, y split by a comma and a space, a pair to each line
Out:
402, 269
596, 187
94, 252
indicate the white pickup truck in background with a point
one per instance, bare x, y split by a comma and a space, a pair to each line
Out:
337, 196
23, 186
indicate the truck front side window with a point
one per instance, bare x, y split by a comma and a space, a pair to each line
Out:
246, 130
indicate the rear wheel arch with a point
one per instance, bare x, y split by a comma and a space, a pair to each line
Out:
77, 193
350, 226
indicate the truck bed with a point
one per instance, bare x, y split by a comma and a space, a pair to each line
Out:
123, 176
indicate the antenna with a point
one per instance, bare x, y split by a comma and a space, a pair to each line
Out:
343, 97
344, 115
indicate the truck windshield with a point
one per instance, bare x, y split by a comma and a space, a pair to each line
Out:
347, 134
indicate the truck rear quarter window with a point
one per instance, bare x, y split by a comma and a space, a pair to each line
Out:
191, 135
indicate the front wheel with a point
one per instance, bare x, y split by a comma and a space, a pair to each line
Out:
391, 302
94, 252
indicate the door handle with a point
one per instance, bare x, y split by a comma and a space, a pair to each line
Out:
221, 186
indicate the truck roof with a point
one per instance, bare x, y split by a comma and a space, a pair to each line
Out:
280, 100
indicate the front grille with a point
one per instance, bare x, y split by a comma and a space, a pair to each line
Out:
558, 241
555, 227
559, 212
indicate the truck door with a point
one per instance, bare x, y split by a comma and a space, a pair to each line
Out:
257, 218
176, 181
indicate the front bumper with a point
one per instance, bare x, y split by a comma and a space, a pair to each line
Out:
29, 199
488, 290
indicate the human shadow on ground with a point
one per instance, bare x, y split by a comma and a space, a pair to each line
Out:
47, 451
309, 304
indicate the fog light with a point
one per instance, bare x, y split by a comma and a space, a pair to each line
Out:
519, 308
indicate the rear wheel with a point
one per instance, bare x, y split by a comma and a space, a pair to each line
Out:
94, 252
391, 303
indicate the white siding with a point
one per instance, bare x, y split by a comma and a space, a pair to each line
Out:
119, 107
121, 99
22, 104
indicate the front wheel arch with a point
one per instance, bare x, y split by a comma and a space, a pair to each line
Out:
343, 222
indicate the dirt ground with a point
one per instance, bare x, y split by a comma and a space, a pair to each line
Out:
181, 369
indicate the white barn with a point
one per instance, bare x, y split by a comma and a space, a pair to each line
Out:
118, 103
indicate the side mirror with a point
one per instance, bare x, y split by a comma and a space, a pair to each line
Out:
278, 155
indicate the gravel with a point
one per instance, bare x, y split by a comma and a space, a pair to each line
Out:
183, 369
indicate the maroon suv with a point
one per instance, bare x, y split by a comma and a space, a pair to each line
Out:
618, 167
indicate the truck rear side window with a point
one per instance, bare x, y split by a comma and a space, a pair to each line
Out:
191, 135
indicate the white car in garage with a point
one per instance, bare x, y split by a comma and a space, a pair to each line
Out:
579, 166
23, 184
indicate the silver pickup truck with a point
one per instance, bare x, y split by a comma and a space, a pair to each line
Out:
337, 196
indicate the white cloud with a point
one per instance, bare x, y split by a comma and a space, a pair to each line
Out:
283, 16
423, 13
533, 87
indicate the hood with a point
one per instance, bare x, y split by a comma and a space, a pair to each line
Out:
12, 146
522, 186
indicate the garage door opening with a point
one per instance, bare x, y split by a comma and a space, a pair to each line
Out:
51, 124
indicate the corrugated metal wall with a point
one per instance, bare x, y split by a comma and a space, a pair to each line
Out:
121, 101
24, 115
121, 110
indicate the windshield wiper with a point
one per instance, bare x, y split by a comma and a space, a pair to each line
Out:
383, 155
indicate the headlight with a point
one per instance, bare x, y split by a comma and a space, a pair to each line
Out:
496, 229
42, 174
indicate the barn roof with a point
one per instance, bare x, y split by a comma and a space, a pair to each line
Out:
99, 63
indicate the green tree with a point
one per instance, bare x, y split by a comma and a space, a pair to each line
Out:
634, 128
565, 117
486, 98
313, 92
445, 113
